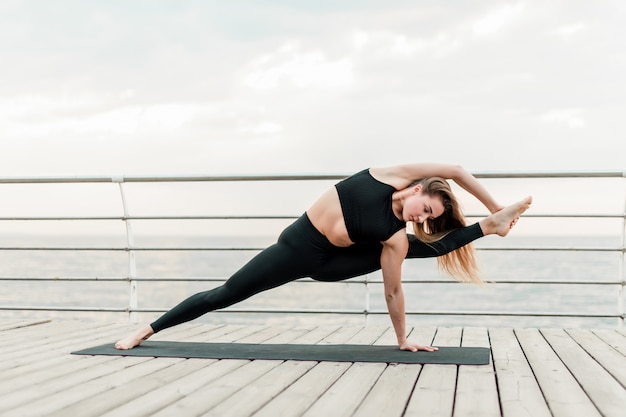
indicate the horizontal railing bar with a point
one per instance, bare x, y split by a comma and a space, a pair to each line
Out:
321, 311
551, 174
89, 218
553, 249
259, 248
81, 279
81, 309
359, 281
181, 178
506, 314
257, 217
293, 177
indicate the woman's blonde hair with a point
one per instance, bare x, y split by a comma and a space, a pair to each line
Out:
461, 262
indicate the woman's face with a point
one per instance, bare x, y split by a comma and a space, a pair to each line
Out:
419, 207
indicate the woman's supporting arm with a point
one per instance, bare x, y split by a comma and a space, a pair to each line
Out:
393, 253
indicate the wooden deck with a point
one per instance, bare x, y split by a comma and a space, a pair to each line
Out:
533, 372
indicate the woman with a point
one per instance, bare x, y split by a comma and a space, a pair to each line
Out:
359, 226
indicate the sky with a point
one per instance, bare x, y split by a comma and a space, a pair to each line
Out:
214, 87
114, 88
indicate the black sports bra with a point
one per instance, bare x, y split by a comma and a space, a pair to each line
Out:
367, 210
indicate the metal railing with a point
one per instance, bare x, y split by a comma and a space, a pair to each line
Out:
132, 249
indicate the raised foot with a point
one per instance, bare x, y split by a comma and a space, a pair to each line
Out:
134, 339
501, 222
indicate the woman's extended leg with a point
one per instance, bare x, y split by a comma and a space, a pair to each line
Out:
361, 259
300, 251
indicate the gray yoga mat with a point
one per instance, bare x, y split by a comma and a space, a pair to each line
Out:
329, 353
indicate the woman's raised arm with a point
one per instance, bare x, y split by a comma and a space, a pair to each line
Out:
401, 176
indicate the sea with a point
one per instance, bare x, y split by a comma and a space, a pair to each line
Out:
59, 283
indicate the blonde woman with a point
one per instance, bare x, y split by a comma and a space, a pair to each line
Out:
357, 226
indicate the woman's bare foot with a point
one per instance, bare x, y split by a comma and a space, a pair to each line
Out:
134, 339
502, 221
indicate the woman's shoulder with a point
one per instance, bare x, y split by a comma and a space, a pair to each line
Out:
401, 176
393, 176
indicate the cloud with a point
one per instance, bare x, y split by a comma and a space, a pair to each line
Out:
263, 128
87, 115
301, 69
398, 44
570, 30
498, 19
183, 83
121, 121
571, 117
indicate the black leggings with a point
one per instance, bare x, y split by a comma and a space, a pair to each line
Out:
302, 251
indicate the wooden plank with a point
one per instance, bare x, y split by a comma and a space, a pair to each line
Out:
387, 338
51, 359
41, 351
520, 395
561, 391
12, 381
232, 333
299, 396
25, 401
52, 335
426, 335
53, 403
610, 359
333, 401
18, 324
100, 401
304, 392
89, 335
448, 336
29, 338
9, 325
30, 367
341, 335
476, 381
391, 392
210, 395
167, 394
263, 335
614, 339
433, 395
259, 392
23, 334
367, 335
345, 395
317, 335
605, 391
289, 335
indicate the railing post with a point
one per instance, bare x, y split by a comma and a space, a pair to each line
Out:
133, 297
367, 300
622, 264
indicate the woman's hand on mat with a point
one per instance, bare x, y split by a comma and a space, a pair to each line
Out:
406, 345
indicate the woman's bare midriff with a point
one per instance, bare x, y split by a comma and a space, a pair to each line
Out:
327, 217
